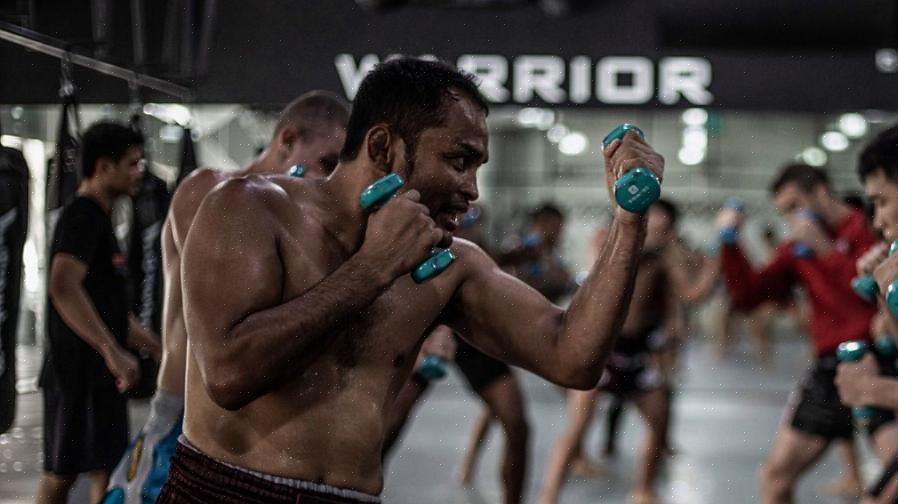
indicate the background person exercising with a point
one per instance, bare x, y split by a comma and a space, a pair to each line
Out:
310, 133
297, 353
827, 239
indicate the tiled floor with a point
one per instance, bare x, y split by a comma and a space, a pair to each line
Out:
726, 414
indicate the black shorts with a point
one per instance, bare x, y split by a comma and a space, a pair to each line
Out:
816, 408
480, 369
194, 477
85, 429
629, 372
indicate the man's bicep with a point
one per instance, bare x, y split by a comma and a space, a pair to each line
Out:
229, 269
505, 317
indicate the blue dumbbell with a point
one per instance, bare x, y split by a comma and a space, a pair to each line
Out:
854, 351
376, 195
637, 189
432, 369
297, 171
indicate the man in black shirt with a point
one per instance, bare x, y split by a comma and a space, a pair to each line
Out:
87, 365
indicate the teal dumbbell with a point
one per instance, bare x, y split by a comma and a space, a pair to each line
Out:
892, 291
297, 171
854, 351
865, 286
432, 369
637, 189
377, 194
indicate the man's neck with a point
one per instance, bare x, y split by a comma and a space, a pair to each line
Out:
343, 216
90, 189
266, 164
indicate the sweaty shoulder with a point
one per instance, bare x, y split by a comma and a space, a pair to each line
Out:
247, 198
471, 257
187, 198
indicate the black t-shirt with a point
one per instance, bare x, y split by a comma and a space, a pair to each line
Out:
85, 231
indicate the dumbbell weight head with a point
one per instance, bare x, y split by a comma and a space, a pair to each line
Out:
432, 369
853, 351
636, 190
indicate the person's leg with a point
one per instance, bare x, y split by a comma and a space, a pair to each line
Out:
722, 328
99, 480
758, 325
506, 403
654, 409
580, 407
885, 440
850, 484
615, 409
469, 464
792, 453
54, 488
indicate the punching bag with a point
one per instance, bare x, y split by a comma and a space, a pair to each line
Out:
149, 208
13, 228
64, 173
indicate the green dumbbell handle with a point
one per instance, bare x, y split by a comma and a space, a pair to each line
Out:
377, 195
637, 189
853, 351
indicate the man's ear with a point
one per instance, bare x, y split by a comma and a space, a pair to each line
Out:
379, 148
104, 164
288, 136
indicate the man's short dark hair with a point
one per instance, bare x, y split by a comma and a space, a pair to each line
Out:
670, 209
409, 95
315, 112
805, 177
880, 154
106, 139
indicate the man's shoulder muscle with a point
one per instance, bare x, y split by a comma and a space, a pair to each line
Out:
187, 199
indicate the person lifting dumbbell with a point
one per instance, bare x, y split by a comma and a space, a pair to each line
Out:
836, 237
296, 355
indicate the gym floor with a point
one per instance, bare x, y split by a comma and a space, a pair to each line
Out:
726, 413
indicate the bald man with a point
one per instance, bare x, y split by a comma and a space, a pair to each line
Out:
308, 136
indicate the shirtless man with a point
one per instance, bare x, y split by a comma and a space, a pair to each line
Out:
303, 322
309, 133
661, 284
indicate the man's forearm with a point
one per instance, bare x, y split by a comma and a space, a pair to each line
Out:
79, 313
295, 331
599, 307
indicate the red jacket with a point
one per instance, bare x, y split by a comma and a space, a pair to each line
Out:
837, 313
